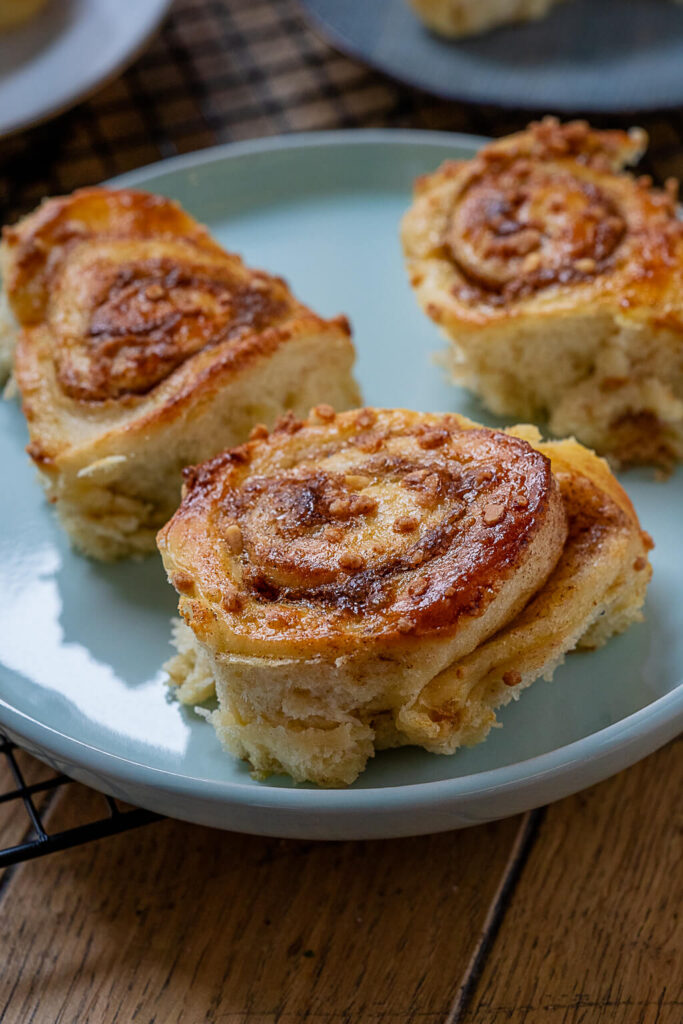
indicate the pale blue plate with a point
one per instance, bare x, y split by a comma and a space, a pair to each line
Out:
81, 644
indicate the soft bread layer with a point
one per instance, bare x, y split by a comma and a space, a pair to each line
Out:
455, 18
557, 277
618, 386
320, 721
332, 746
145, 347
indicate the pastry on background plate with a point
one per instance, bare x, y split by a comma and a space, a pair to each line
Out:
145, 347
16, 12
558, 278
454, 18
383, 577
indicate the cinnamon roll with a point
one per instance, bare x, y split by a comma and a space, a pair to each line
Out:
377, 578
456, 18
557, 276
144, 347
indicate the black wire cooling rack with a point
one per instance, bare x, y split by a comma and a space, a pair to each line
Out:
37, 840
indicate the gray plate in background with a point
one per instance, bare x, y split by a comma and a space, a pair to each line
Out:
586, 55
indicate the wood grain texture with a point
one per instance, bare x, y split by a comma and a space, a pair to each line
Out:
593, 933
182, 925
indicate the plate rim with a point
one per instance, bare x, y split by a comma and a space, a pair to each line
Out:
94, 82
657, 721
549, 766
298, 140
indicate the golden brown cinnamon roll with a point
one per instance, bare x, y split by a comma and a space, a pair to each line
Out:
455, 18
377, 578
145, 347
557, 277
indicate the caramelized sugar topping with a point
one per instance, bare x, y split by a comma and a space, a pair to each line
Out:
548, 207
130, 287
141, 318
531, 227
376, 523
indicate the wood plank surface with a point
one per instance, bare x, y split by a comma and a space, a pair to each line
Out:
182, 925
569, 916
594, 930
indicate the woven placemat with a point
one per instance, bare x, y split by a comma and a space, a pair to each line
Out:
220, 70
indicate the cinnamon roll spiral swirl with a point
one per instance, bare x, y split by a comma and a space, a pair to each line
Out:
331, 572
129, 288
550, 268
144, 339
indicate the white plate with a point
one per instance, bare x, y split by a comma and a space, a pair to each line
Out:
81, 644
67, 51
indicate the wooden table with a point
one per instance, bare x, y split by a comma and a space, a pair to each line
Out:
569, 915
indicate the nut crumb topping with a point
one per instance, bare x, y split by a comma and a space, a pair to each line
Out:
350, 561
431, 439
415, 478
324, 413
154, 292
356, 480
231, 600
352, 505
183, 582
276, 618
233, 537
366, 418
259, 432
493, 514
512, 678
405, 524
287, 424
370, 443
